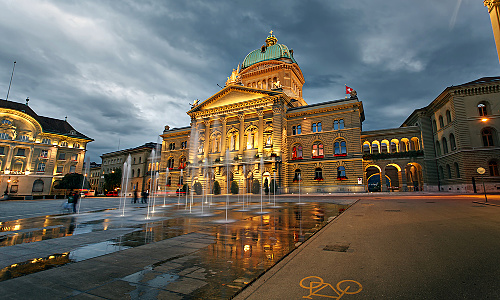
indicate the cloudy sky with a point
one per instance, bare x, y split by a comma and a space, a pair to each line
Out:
122, 70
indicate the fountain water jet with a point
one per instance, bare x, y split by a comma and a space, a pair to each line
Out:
261, 170
85, 174
125, 176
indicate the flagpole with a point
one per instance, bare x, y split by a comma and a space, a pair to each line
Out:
12, 75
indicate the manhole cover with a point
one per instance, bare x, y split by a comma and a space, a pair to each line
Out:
336, 248
393, 210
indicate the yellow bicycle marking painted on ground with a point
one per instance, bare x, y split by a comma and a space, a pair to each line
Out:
316, 284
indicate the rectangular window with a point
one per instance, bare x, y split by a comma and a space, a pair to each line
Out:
59, 169
21, 152
62, 156
74, 157
72, 169
2, 150
44, 153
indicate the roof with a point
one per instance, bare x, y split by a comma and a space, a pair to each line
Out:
49, 125
149, 145
274, 52
481, 80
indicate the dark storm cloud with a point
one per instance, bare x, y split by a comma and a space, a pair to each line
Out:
121, 70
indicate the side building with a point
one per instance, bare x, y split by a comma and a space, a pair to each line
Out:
138, 167
36, 151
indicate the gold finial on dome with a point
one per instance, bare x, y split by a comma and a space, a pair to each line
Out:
271, 40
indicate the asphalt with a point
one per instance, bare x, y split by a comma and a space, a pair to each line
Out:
418, 247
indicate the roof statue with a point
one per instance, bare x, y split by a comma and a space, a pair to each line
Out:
277, 85
271, 40
271, 50
234, 78
195, 103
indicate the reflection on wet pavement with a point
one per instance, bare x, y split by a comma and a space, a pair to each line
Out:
216, 269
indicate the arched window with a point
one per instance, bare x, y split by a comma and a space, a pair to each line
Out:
297, 152
336, 125
138, 172
414, 145
319, 127
294, 130
383, 147
453, 143
341, 148
441, 175
37, 186
318, 174
375, 148
394, 147
299, 129
341, 124
297, 176
341, 173
438, 148
314, 127
366, 148
445, 145
434, 126
170, 163
182, 162
403, 146
317, 150
132, 173
481, 107
448, 170
493, 166
457, 170
448, 117
169, 181
441, 122
487, 135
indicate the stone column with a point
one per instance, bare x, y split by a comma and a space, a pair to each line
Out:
223, 120
30, 158
241, 133
383, 186
8, 161
279, 129
207, 138
494, 11
260, 143
403, 184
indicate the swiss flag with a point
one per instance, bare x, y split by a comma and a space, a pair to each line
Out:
348, 90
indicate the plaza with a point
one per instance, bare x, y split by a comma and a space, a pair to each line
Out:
419, 246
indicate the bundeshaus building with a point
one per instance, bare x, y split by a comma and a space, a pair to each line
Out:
259, 127
36, 151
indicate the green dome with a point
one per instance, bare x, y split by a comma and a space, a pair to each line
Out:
274, 52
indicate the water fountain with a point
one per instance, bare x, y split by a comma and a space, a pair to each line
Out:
167, 172
125, 177
228, 164
300, 179
85, 174
261, 170
153, 155
274, 192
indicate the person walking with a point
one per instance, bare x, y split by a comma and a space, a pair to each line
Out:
76, 197
135, 196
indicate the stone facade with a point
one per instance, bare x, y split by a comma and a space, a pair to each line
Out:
259, 128
36, 151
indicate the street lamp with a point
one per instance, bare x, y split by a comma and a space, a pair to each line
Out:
7, 188
481, 171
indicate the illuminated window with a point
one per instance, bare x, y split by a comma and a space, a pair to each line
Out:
317, 150
297, 152
481, 107
182, 162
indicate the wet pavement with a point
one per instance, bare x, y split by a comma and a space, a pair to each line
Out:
179, 252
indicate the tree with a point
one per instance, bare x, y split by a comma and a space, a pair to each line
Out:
266, 187
256, 187
198, 188
216, 188
113, 180
234, 187
70, 181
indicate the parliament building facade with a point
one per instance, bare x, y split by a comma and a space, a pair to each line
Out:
259, 127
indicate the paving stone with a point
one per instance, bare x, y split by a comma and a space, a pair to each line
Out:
166, 267
114, 290
185, 285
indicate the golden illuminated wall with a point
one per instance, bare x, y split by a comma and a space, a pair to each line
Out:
493, 9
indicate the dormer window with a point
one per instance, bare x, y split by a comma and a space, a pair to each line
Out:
72, 132
46, 141
24, 138
64, 144
6, 122
76, 145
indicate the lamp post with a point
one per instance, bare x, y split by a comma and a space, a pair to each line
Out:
481, 171
6, 193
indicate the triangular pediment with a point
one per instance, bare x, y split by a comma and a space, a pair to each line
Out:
233, 95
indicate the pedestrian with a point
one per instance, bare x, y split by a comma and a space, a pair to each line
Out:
143, 197
135, 196
76, 197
